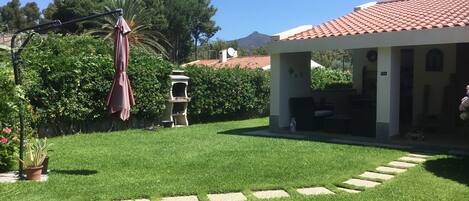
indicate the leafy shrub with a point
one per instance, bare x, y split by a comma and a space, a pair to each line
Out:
327, 78
8, 98
70, 77
8, 150
149, 75
227, 93
9, 120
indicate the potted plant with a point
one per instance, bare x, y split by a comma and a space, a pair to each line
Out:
464, 107
34, 156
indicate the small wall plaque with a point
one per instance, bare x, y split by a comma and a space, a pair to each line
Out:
384, 73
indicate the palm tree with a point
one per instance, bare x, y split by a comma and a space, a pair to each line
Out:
143, 34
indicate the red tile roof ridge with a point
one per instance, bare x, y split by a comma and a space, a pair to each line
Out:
392, 16
389, 1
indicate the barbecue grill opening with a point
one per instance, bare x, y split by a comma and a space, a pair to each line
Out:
179, 108
179, 90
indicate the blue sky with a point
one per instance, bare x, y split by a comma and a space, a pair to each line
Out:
239, 18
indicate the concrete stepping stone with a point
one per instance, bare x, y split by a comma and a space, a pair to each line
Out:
401, 164
181, 198
390, 170
227, 197
348, 190
412, 159
419, 155
12, 177
314, 191
362, 183
374, 175
270, 194
9, 177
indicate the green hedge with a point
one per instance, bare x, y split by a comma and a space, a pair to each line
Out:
69, 78
227, 93
8, 98
328, 78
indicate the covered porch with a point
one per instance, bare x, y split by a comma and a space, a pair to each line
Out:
406, 85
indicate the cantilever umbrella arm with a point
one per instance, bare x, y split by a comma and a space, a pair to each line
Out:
15, 57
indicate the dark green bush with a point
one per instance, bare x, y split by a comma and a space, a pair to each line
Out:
327, 78
8, 149
8, 157
8, 98
67, 79
227, 93
70, 77
8, 118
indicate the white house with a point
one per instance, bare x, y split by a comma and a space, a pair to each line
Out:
410, 59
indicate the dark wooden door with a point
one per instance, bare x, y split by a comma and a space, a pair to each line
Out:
462, 79
406, 90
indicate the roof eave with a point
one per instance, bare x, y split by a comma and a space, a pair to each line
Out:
373, 40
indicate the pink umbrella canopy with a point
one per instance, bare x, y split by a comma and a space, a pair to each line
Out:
121, 97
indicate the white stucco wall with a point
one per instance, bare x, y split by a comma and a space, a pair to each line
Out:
437, 80
290, 77
387, 97
359, 61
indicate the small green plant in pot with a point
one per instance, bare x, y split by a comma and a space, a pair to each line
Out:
34, 156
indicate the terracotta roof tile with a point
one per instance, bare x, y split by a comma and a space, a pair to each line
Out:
394, 15
252, 62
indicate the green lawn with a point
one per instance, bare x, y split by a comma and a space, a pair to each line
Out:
204, 159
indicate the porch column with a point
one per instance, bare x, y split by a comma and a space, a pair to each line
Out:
388, 91
290, 77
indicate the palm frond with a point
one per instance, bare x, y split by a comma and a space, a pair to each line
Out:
142, 34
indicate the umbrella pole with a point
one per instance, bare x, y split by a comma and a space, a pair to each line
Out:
19, 82
15, 56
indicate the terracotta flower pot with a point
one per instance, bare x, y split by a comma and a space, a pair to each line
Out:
33, 173
45, 165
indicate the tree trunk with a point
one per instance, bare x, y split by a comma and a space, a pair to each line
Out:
195, 46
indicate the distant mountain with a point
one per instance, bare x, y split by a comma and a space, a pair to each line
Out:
253, 41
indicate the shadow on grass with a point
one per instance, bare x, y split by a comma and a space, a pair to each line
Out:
262, 131
319, 136
454, 168
76, 172
243, 131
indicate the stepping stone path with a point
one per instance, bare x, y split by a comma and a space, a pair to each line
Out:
419, 155
181, 198
270, 194
390, 170
368, 179
374, 175
362, 183
227, 197
412, 159
314, 191
348, 190
138, 200
399, 164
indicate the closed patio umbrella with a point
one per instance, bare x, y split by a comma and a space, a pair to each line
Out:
121, 98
